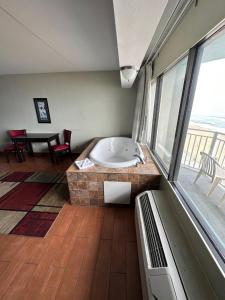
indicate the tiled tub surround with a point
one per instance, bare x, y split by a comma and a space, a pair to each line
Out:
87, 186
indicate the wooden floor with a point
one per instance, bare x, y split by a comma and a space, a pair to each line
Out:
34, 164
89, 253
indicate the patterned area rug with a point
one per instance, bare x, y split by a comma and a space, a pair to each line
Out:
30, 201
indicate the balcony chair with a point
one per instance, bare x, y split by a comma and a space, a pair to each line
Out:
11, 148
65, 148
210, 167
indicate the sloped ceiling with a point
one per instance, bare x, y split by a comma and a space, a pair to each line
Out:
136, 22
43, 36
57, 36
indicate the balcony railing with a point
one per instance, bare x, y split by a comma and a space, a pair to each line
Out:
199, 140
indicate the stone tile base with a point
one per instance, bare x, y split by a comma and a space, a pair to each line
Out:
87, 186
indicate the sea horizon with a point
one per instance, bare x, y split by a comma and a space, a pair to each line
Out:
212, 123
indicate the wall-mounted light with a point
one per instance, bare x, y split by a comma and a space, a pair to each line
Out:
128, 72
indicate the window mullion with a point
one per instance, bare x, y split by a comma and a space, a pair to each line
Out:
156, 113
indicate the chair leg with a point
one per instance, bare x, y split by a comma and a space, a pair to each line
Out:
197, 177
213, 186
17, 156
56, 155
22, 155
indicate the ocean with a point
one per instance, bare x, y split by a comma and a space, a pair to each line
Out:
214, 123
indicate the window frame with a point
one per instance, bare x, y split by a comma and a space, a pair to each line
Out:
187, 99
152, 104
190, 82
157, 103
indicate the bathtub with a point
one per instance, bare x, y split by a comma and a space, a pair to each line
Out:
116, 152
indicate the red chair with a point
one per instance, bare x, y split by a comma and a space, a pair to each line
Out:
16, 132
11, 148
63, 148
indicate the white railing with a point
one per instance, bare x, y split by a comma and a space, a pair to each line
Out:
199, 140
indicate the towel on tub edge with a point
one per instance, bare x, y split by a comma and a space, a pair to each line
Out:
84, 164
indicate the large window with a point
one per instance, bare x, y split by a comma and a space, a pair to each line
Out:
202, 170
171, 91
194, 110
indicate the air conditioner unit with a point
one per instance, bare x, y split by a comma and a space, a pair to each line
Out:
159, 275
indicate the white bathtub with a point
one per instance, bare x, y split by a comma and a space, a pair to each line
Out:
116, 152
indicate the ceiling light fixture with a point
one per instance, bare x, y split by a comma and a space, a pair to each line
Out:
128, 72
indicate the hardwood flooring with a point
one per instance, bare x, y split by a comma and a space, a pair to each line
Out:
89, 253
35, 164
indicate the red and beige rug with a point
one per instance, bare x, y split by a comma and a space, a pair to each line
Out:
30, 201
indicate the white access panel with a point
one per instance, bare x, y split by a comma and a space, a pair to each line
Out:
117, 192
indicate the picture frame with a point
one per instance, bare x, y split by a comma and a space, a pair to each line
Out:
42, 110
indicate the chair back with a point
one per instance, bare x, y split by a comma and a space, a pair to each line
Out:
208, 164
67, 136
16, 132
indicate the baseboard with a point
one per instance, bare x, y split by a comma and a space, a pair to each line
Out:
44, 154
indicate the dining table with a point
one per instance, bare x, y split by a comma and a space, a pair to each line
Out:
30, 138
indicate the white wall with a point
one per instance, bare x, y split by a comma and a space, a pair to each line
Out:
88, 103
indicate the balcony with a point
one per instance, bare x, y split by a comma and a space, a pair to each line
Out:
211, 208
199, 140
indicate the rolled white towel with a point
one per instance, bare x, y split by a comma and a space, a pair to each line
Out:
84, 164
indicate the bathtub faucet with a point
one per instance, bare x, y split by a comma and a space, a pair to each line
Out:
140, 158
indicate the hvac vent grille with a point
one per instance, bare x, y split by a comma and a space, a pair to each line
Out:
154, 242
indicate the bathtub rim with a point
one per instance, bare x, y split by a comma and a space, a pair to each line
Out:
115, 165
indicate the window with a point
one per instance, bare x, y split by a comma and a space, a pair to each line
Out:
194, 109
203, 158
171, 92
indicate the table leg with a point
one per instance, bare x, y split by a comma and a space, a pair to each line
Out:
19, 154
57, 140
50, 151
31, 148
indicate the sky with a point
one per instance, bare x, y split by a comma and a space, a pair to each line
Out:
210, 91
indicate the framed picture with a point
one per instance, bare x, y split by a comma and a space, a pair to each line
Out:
42, 110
